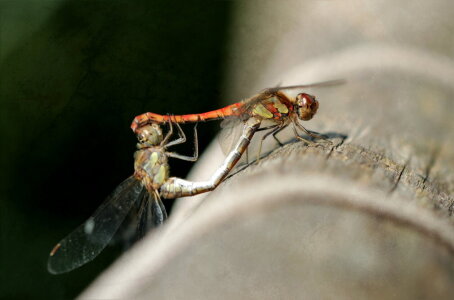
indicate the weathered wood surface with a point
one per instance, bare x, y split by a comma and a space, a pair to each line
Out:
367, 217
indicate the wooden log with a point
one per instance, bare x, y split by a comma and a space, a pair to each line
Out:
369, 216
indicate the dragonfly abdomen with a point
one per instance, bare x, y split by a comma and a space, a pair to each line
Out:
222, 113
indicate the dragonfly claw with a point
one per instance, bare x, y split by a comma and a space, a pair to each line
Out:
309, 142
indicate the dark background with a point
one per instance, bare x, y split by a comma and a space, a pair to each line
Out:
73, 74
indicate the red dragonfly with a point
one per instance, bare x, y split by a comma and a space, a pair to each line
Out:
271, 104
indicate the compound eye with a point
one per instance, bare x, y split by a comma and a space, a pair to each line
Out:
305, 99
314, 105
307, 106
141, 138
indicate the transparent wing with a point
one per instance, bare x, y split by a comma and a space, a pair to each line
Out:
147, 213
90, 238
152, 214
248, 104
230, 134
126, 233
334, 82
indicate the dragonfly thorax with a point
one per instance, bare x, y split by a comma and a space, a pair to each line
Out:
306, 106
149, 136
151, 167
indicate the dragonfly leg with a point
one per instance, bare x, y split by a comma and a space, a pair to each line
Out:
276, 129
275, 137
181, 138
267, 127
176, 187
196, 149
310, 133
168, 135
263, 137
183, 157
299, 137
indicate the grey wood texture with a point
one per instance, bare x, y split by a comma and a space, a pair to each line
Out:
369, 216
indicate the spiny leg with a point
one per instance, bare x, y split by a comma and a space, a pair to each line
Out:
196, 149
299, 137
275, 133
169, 134
310, 133
276, 128
267, 127
180, 140
182, 157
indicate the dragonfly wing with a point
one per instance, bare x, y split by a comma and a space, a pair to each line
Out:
147, 213
152, 214
230, 135
304, 86
127, 232
249, 104
90, 238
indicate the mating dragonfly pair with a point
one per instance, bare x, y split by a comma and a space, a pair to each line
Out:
141, 193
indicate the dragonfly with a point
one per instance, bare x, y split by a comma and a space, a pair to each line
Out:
271, 104
140, 195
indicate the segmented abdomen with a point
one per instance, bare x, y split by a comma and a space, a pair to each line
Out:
147, 118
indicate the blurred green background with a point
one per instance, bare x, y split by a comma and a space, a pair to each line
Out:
73, 74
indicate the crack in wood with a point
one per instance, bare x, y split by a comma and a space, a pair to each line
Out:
399, 177
354, 156
336, 146
430, 164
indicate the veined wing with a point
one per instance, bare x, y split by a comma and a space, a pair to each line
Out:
230, 134
233, 125
147, 213
152, 213
270, 92
305, 86
90, 238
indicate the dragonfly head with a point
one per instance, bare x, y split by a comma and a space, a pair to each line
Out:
149, 135
306, 106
